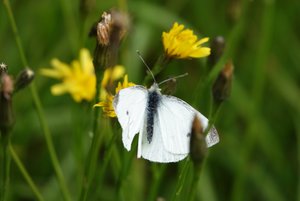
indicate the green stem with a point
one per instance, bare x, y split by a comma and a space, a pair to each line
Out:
106, 159
50, 145
297, 119
234, 38
93, 152
195, 181
157, 178
39, 108
181, 180
5, 167
15, 31
124, 172
25, 173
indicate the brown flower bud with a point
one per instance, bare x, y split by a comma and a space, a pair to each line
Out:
169, 87
222, 86
198, 147
217, 48
6, 113
24, 78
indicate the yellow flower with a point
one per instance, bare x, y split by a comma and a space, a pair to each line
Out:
107, 104
124, 85
78, 78
110, 75
181, 43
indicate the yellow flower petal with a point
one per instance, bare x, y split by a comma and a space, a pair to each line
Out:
107, 102
107, 106
77, 79
182, 43
110, 75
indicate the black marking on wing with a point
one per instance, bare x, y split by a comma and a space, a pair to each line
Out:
152, 104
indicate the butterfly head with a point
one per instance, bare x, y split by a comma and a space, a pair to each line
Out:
154, 87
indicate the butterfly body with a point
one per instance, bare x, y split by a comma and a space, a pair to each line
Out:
163, 122
153, 101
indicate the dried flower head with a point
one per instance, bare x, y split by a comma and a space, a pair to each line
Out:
112, 26
104, 29
181, 43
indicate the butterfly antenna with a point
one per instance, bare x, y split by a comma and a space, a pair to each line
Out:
178, 76
139, 54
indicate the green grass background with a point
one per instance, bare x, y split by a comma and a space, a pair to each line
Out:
258, 157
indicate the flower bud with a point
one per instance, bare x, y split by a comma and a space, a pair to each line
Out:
3, 68
217, 48
222, 86
169, 87
198, 147
24, 78
6, 113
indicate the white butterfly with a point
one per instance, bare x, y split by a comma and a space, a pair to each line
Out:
163, 122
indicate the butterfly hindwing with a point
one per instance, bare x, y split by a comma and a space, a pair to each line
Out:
155, 150
130, 105
175, 119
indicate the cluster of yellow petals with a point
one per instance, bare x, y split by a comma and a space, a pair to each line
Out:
181, 43
107, 103
110, 75
78, 78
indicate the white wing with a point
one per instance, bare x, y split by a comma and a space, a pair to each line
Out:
130, 105
155, 151
175, 118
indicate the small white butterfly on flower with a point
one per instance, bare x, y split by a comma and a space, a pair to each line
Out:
163, 122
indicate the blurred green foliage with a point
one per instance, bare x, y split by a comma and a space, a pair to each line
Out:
258, 157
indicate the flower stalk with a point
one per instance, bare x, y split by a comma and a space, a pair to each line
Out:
25, 174
5, 166
6, 124
7, 90
198, 152
38, 107
108, 31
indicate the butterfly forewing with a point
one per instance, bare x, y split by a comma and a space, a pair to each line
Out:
129, 105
